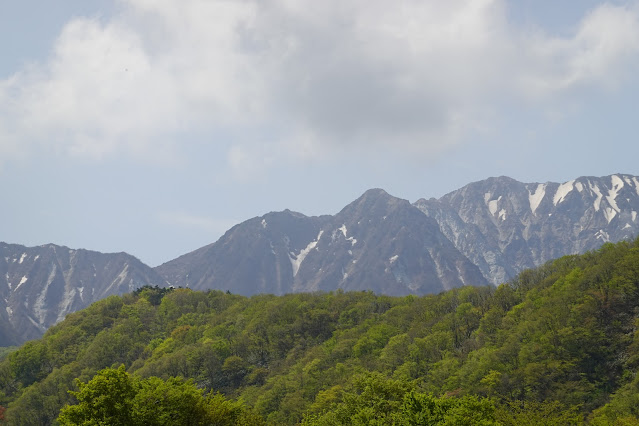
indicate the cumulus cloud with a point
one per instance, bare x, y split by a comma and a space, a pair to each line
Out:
312, 76
602, 52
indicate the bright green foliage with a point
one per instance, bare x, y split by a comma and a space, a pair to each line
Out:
623, 409
153, 294
425, 409
561, 339
30, 363
6, 350
113, 397
375, 400
530, 413
107, 399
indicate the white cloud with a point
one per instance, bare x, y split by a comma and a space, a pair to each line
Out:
603, 52
315, 76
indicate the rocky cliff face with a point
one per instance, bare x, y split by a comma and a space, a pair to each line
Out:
40, 285
256, 256
504, 226
497, 226
384, 244
378, 243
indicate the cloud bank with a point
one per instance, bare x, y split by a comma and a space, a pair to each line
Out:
274, 80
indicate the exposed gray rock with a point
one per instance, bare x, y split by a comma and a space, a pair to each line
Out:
505, 226
378, 243
39, 286
252, 257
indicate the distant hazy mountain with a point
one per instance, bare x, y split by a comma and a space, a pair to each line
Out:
504, 226
485, 232
381, 243
43, 284
378, 243
252, 257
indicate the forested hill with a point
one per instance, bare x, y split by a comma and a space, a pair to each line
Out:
557, 345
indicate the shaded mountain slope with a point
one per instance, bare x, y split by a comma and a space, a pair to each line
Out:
39, 286
504, 226
378, 242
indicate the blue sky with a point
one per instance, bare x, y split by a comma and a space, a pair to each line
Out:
151, 127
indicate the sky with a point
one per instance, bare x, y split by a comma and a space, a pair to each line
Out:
153, 126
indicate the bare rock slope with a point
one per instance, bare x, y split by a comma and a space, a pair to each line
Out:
378, 242
40, 285
504, 226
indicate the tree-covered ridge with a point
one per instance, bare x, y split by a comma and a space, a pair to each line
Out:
559, 342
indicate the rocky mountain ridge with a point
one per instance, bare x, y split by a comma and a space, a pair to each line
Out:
485, 232
378, 242
39, 286
504, 226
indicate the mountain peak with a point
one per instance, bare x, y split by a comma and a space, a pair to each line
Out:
285, 212
374, 200
374, 194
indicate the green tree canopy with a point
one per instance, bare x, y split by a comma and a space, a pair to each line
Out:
114, 397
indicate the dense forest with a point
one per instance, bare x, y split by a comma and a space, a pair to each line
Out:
558, 345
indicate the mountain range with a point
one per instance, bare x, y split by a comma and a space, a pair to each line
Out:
378, 242
504, 226
485, 232
43, 284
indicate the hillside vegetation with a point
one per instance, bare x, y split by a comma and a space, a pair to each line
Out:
557, 345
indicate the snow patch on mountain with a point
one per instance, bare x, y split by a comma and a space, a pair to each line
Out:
492, 205
563, 190
65, 305
34, 322
534, 198
609, 213
617, 184
39, 307
119, 279
603, 236
296, 260
344, 231
460, 272
22, 281
597, 203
